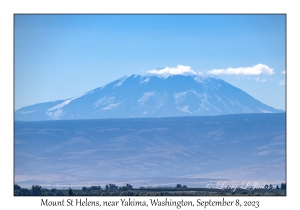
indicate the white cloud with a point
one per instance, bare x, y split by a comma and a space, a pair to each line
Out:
258, 69
180, 69
257, 79
282, 82
283, 72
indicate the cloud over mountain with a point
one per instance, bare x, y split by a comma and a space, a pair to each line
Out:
258, 69
179, 70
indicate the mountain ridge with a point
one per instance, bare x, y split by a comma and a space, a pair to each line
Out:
242, 147
150, 96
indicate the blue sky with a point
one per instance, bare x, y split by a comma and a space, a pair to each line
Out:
62, 56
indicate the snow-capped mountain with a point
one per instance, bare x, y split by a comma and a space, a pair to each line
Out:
150, 96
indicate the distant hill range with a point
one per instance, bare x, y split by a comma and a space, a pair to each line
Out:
190, 151
137, 96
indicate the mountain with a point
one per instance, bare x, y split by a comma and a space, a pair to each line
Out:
136, 96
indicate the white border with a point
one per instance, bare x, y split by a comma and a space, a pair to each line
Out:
9, 7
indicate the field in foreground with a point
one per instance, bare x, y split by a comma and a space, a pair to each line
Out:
113, 190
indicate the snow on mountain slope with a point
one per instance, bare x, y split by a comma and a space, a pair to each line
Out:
150, 96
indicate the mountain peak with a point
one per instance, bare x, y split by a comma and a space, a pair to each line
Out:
150, 95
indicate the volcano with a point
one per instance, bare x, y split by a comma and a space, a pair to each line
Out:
142, 96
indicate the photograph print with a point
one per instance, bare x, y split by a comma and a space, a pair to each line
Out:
149, 104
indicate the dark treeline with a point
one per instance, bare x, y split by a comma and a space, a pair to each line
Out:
128, 190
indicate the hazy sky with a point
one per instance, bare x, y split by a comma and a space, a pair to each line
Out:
62, 56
